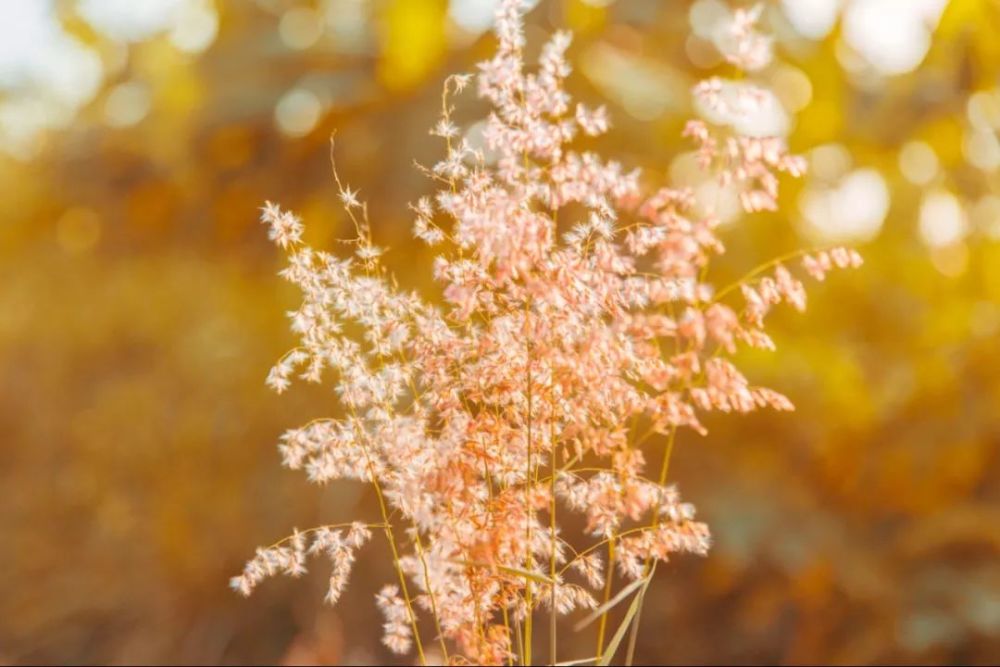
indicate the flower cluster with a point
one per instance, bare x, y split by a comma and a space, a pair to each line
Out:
289, 557
566, 342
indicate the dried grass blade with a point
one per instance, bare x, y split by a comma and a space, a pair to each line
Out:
597, 613
612, 648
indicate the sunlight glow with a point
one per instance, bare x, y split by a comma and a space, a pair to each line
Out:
853, 210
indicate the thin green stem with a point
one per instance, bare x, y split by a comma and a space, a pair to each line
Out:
634, 630
762, 268
552, 537
529, 560
395, 558
430, 594
608, 580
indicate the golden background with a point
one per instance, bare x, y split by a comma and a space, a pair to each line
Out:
140, 312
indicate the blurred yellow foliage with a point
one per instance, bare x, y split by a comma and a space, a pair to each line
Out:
412, 36
141, 313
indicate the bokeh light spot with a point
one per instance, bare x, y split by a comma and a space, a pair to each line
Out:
918, 162
706, 15
892, 36
983, 109
853, 210
751, 112
942, 219
792, 86
196, 27
476, 16
829, 162
952, 260
986, 216
813, 19
126, 104
297, 112
982, 149
300, 27
129, 20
